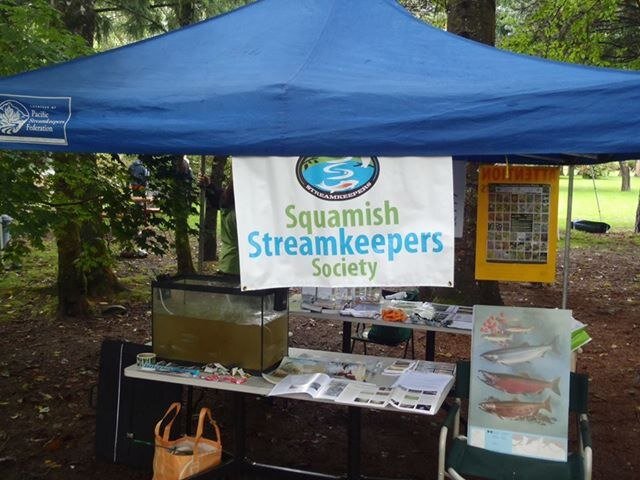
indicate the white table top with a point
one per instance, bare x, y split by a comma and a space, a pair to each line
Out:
336, 317
256, 385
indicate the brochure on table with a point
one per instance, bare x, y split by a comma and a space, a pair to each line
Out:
419, 386
519, 391
418, 392
302, 366
316, 385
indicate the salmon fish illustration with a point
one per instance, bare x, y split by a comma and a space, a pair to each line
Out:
520, 354
502, 338
514, 410
517, 329
518, 384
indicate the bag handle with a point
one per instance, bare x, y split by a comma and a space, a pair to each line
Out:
204, 413
167, 429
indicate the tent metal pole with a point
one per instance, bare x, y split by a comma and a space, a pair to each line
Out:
203, 210
567, 241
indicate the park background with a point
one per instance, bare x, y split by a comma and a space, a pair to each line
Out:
49, 355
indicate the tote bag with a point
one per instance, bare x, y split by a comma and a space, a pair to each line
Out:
186, 456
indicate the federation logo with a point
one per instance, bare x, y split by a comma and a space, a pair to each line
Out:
337, 178
13, 116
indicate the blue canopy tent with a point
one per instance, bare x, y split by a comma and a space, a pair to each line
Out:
327, 77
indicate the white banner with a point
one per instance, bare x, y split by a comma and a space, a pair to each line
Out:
344, 222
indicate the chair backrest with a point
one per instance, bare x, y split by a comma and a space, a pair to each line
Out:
578, 387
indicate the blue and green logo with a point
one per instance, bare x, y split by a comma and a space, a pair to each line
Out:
337, 178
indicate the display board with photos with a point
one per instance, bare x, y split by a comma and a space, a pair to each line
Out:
519, 385
517, 223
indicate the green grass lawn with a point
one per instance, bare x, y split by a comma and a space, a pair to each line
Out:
618, 208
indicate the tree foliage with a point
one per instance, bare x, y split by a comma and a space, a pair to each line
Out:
123, 21
32, 35
172, 182
433, 12
603, 33
564, 30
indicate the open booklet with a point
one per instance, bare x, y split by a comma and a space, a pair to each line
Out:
317, 385
301, 366
415, 391
418, 392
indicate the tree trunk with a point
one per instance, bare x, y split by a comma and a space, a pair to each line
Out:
211, 217
72, 284
467, 288
71, 281
185, 12
101, 279
637, 169
79, 17
183, 200
625, 173
183, 247
475, 20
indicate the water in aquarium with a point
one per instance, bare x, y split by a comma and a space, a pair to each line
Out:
205, 327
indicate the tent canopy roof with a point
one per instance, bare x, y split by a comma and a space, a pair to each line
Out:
330, 77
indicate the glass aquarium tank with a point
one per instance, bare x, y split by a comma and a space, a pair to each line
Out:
208, 319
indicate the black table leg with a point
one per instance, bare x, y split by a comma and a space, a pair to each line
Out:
346, 337
239, 428
430, 349
353, 444
189, 411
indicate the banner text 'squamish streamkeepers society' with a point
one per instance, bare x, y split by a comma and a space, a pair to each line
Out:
347, 221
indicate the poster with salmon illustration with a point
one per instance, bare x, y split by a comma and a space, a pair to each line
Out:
519, 391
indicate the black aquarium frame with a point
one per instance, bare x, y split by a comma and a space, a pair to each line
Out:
229, 285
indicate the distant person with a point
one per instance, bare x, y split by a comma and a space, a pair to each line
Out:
138, 181
223, 199
182, 169
229, 262
139, 177
211, 192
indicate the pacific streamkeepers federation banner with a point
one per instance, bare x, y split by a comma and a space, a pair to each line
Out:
344, 221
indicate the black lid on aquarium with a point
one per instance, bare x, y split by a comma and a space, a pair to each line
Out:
221, 283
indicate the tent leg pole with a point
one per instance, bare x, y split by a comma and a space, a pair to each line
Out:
203, 209
567, 241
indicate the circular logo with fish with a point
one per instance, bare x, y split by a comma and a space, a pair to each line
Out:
337, 178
